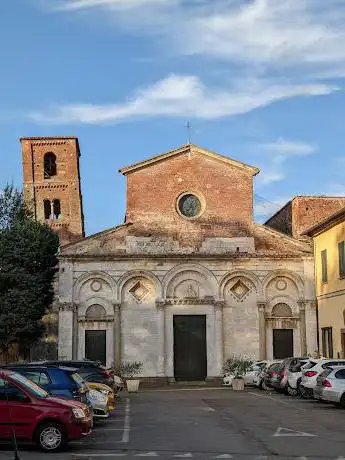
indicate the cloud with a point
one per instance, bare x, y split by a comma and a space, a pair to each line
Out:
276, 154
290, 148
75, 5
268, 35
181, 96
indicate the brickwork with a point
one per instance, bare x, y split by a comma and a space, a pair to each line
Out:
226, 191
302, 212
64, 186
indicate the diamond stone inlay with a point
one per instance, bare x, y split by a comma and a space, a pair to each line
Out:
239, 289
139, 291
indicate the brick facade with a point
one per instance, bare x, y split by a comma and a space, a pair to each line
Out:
302, 212
64, 186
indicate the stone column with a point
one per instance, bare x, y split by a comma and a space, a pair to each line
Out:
161, 339
219, 335
75, 332
117, 336
262, 329
302, 327
65, 331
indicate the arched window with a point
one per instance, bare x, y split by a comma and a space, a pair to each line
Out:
47, 209
281, 310
96, 312
49, 165
56, 209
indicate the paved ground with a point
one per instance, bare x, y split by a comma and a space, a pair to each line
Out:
205, 424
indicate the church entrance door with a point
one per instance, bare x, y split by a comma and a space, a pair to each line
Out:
190, 362
95, 345
282, 343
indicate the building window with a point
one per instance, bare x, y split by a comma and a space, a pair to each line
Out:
327, 342
56, 209
47, 209
324, 265
341, 252
52, 209
49, 165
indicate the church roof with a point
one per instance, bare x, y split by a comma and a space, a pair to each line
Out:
193, 149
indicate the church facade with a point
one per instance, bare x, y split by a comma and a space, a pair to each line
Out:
189, 279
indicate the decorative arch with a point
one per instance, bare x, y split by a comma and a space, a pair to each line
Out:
240, 274
293, 277
95, 301
139, 274
209, 279
281, 310
95, 312
95, 275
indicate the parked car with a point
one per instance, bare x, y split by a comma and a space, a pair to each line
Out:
99, 404
330, 385
290, 375
263, 379
312, 370
248, 376
91, 371
36, 416
105, 390
58, 381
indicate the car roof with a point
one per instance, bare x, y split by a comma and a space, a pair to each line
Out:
37, 367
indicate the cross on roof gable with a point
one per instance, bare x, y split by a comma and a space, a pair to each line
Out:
188, 148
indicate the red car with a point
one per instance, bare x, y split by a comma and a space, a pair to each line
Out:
49, 421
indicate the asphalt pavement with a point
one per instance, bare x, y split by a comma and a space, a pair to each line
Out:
204, 424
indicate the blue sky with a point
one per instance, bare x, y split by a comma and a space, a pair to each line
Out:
260, 80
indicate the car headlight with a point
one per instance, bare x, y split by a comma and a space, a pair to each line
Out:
78, 412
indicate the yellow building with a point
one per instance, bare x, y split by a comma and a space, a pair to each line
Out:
329, 252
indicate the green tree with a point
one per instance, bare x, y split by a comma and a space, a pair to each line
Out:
28, 260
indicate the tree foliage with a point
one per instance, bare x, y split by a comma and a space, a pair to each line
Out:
28, 260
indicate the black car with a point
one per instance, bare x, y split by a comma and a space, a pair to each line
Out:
90, 371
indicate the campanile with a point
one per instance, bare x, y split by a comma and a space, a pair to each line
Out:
52, 184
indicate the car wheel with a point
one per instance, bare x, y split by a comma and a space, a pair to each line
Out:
291, 391
264, 386
304, 393
342, 401
50, 437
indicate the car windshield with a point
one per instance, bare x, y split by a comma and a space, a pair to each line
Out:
29, 385
78, 380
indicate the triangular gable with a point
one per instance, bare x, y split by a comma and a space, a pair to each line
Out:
193, 150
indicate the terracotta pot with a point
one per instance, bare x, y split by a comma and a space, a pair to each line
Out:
132, 386
238, 384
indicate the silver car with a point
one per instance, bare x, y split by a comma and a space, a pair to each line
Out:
330, 385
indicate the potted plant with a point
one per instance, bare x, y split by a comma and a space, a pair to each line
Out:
237, 367
128, 371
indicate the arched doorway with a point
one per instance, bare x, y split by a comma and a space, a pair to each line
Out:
282, 335
95, 339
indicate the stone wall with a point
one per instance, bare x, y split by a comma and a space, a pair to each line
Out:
151, 291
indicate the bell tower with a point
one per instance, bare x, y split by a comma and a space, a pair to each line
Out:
52, 184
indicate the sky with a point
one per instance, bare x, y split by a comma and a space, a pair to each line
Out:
261, 81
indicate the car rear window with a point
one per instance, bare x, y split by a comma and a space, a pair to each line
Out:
310, 365
333, 363
340, 374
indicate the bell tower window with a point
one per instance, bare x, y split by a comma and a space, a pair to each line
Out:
50, 169
56, 209
47, 209
52, 209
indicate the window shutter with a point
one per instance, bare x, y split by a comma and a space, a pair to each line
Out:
341, 251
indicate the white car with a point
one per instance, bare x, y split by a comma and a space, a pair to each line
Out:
311, 372
249, 377
99, 403
330, 385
